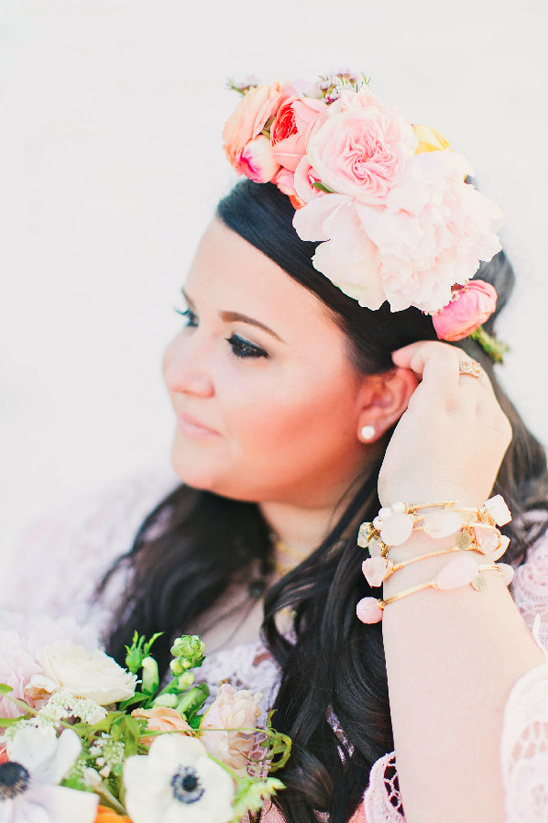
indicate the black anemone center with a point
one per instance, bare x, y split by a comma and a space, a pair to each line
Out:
186, 785
14, 780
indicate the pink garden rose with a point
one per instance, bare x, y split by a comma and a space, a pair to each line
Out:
232, 710
362, 151
471, 307
297, 117
255, 109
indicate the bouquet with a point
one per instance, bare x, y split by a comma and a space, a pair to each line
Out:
83, 740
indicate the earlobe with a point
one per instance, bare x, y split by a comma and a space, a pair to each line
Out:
384, 402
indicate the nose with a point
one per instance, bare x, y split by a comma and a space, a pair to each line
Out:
186, 366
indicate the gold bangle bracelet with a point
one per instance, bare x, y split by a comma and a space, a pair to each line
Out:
431, 584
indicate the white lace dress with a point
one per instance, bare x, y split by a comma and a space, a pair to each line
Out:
63, 556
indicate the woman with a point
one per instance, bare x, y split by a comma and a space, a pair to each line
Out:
304, 402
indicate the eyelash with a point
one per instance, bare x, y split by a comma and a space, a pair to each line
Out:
239, 347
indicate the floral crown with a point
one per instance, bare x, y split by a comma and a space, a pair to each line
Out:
387, 200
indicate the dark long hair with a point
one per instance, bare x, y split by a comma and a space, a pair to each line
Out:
333, 697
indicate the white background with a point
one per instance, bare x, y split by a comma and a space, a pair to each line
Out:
111, 165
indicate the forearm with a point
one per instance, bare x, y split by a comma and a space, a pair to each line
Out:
452, 657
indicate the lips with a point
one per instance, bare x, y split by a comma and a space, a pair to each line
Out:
192, 426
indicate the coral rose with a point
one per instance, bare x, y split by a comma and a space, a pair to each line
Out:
290, 131
362, 152
471, 307
232, 710
161, 719
256, 108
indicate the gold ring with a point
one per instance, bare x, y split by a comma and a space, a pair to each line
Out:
469, 367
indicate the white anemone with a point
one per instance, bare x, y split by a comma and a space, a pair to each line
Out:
177, 783
29, 790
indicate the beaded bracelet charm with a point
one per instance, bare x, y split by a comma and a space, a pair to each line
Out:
458, 572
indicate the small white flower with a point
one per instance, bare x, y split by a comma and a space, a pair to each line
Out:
29, 790
177, 782
107, 753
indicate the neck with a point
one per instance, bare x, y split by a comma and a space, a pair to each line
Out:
300, 529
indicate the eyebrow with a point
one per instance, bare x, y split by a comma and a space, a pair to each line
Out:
236, 316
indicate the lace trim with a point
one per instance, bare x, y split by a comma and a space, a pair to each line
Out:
382, 801
524, 748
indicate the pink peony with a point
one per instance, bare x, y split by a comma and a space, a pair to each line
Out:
348, 257
471, 307
249, 119
295, 121
257, 161
362, 151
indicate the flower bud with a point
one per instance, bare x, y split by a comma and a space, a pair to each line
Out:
151, 677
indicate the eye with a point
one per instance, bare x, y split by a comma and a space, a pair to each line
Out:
243, 348
191, 318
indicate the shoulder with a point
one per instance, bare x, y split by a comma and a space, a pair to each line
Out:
59, 558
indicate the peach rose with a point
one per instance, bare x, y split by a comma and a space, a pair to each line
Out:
161, 719
472, 306
252, 114
294, 123
362, 152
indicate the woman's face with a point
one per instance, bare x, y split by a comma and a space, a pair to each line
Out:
267, 402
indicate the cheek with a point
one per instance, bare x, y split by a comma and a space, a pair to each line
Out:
298, 422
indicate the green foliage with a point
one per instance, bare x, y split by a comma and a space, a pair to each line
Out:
139, 650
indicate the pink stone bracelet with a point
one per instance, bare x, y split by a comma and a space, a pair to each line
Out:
394, 524
458, 572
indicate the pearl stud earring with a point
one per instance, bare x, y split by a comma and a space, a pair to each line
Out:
368, 432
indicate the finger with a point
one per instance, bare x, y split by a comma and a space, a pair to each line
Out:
437, 363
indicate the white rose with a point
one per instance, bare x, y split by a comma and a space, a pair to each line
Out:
92, 675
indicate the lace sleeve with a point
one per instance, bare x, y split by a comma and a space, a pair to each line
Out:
530, 588
59, 560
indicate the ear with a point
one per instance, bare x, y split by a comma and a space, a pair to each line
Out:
383, 399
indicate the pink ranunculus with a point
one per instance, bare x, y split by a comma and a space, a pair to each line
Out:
362, 152
256, 108
256, 160
295, 121
471, 307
